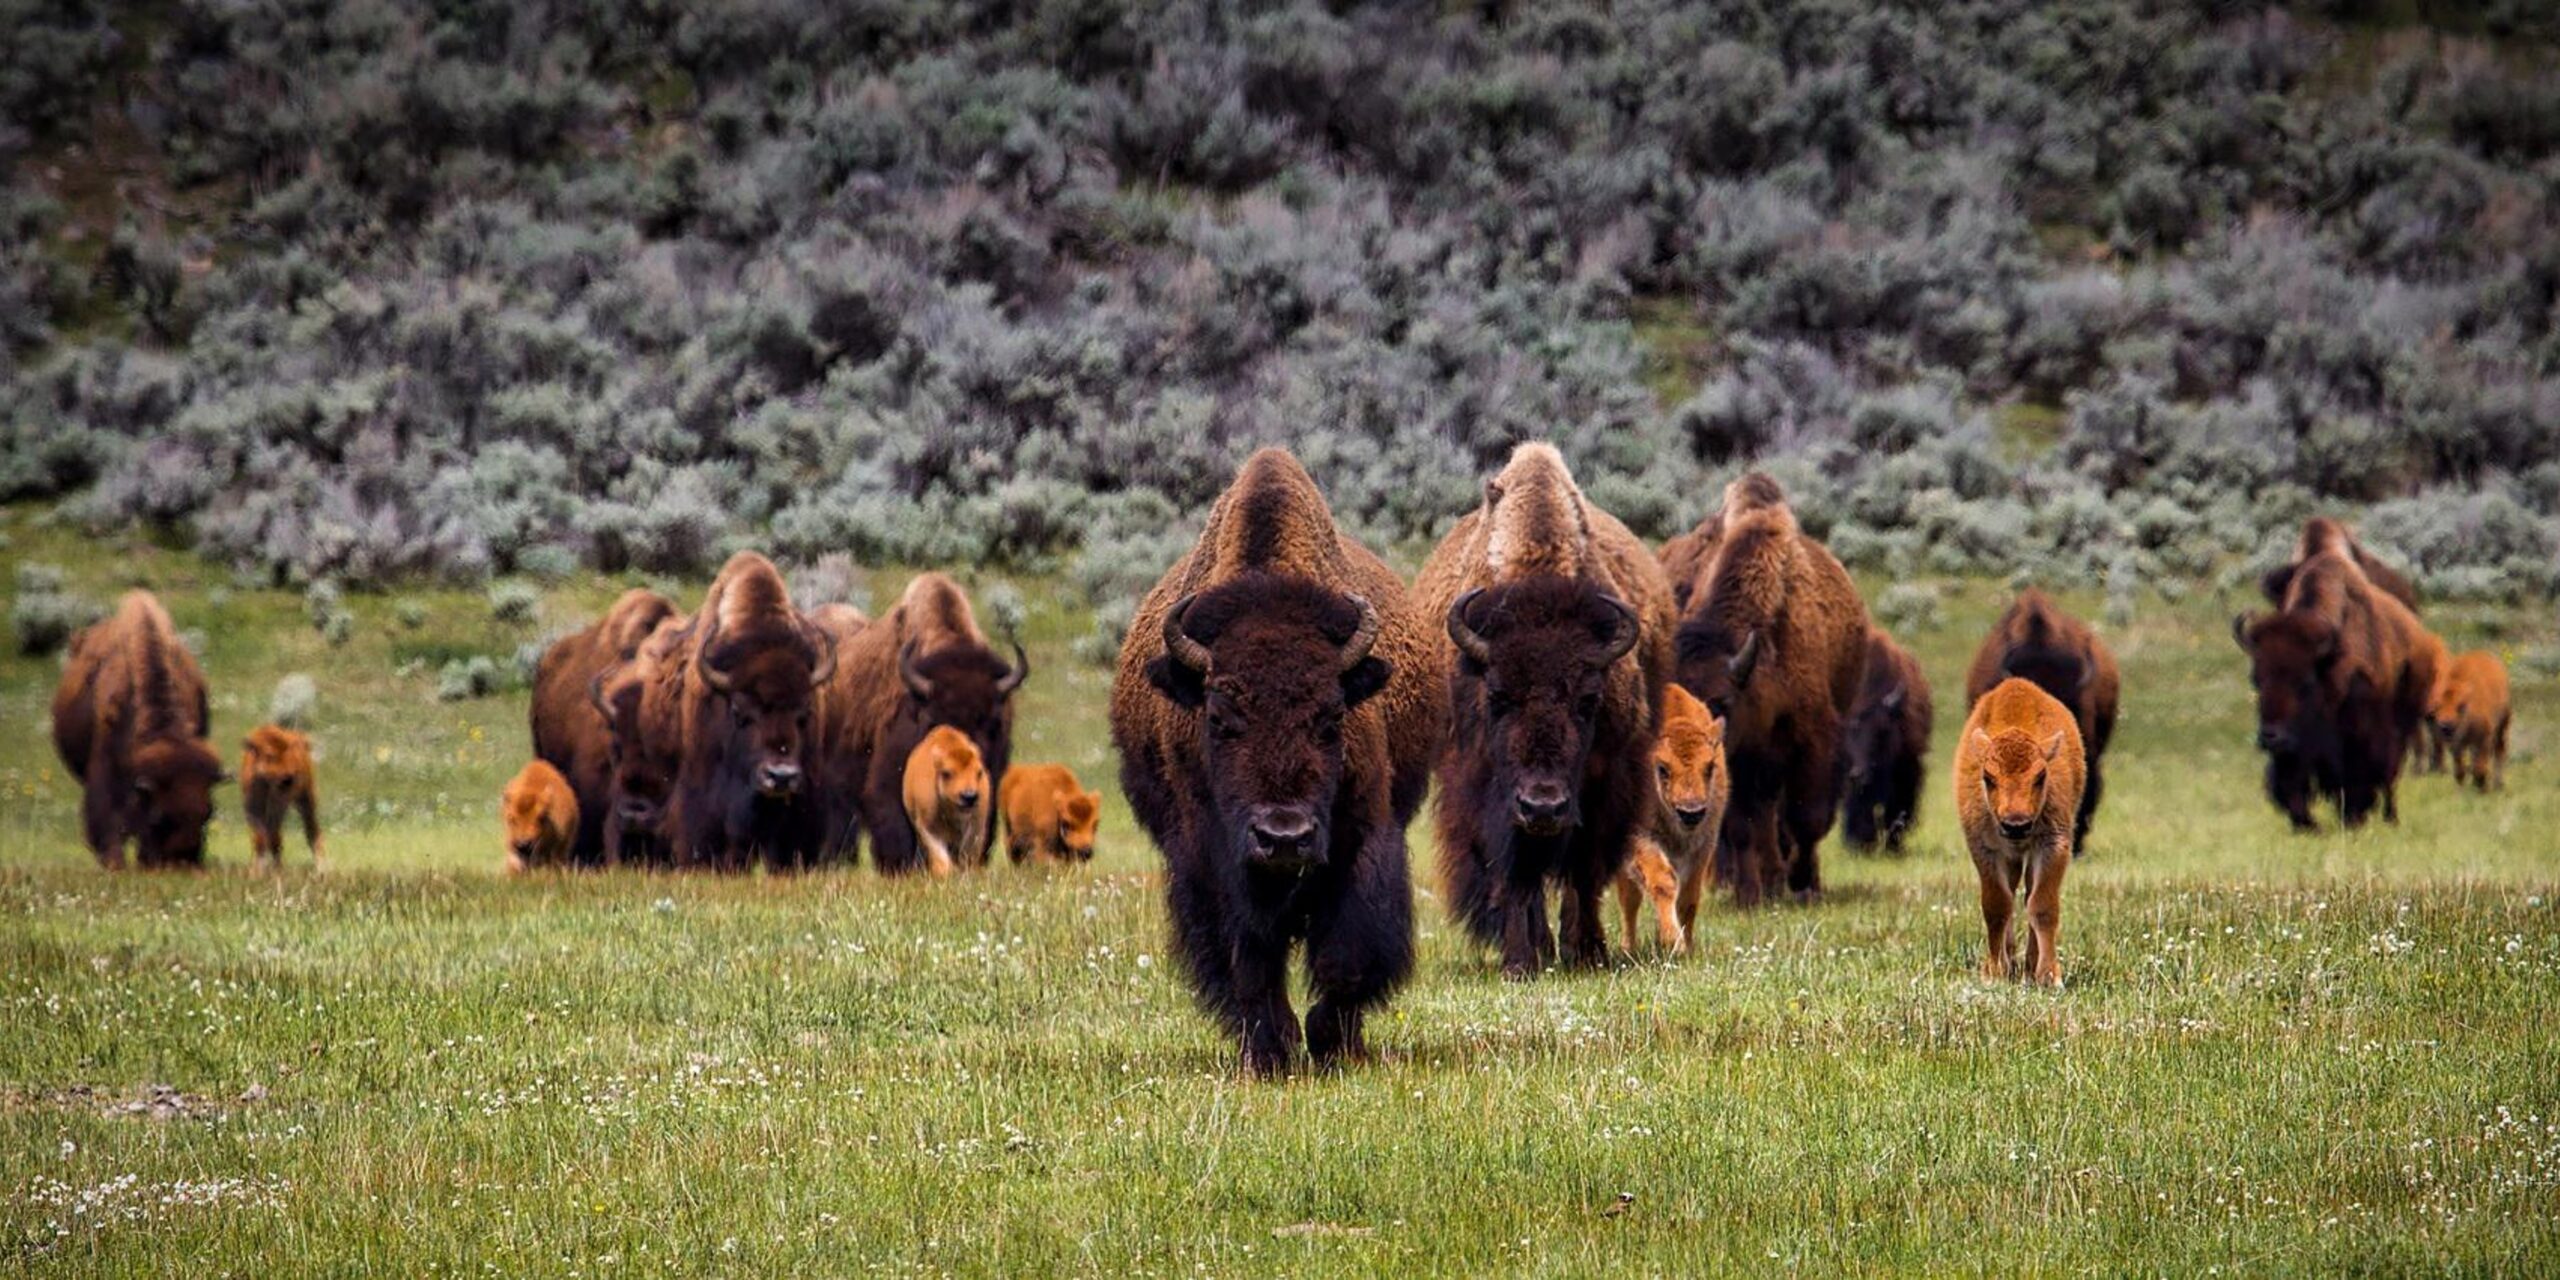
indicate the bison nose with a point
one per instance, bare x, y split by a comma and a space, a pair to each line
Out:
2017, 828
1692, 816
635, 810
1542, 804
523, 848
1284, 834
779, 777
2272, 738
968, 799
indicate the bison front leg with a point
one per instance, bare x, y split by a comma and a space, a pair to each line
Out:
1266, 1025
1360, 950
101, 823
2044, 916
1586, 945
1999, 901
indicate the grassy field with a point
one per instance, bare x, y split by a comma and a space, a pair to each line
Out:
2275, 1054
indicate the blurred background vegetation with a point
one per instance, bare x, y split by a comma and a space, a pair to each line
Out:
2110, 293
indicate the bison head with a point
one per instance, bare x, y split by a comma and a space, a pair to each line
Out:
1687, 758
2015, 768
643, 764
967, 688
768, 677
1716, 663
1540, 650
1871, 742
173, 783
1078, 818
1273, 665
2291, 658
2062, 672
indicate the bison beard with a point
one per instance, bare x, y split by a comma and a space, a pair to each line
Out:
1286, 832
744, 790
1544, 776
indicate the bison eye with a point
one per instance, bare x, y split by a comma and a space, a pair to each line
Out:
1662, 771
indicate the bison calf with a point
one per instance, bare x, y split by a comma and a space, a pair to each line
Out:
1048, 815
2018, 777
541, 817
2471, 714
1674, 852
946, 800
275, 776
2038, 642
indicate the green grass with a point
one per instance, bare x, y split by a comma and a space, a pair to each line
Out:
2274, 1054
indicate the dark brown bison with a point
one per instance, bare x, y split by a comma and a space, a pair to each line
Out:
130, 719
2343, 682
923, 665
1774, 641
1276, 710
2039, 643
1559, 624
569, 722
1887, 737
750, 671
2321, 534
638, 702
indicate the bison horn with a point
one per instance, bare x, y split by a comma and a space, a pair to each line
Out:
915, 680
595, 695
2240, 630
1464, 636
1021, 671
1362, 636
1744, 659
1178, 644
711, 675
1626, 633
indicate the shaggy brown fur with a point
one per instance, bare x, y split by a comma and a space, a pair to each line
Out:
275, 775
945, 790
1048, 815
1277, 706
1675, 853
2017, 776
1543, 778
568, 716
2471, 712
2343, 681
2036, 640
1883, 747
924, 664
2430, 743
540, 813
751, 669
129, 721
637, 702
1774, 641
2322, 534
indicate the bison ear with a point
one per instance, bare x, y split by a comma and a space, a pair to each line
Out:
1185, 686
2053, 745
1982, 740
1363, 679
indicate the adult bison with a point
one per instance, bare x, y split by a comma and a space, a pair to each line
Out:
1558, 621
2322, 534
130, 719
570, 729
1774, 641
2342, 682
1887, 735
921, 666
749, 672
2038, 642
638, 702
1276, 710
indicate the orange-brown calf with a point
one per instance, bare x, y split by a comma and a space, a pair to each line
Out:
1048, 815
275, 776
2471, 713
1674, 854
946, 795
2019, 770
541, 816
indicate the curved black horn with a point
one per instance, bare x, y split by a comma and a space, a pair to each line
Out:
1178, 644
1744, 659
1362, 637
711, 674
1464, 636
823, 639
1629, 630
595, 694
1021, 668
915, 680
2240, 630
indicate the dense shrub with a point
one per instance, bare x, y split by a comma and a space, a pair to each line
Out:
295, 703
43, 616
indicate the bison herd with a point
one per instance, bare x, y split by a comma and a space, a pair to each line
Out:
1596, 715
